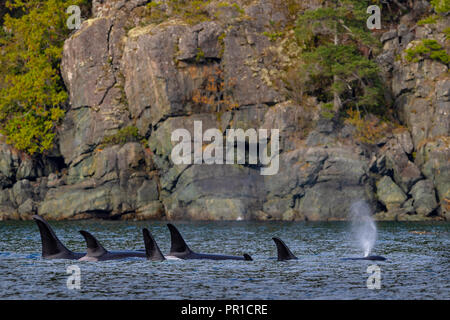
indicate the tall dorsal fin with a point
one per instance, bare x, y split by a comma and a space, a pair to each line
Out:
94, 248
178, 245
151, 247
283, 251
50, 242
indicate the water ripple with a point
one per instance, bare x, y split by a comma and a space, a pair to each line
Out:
417, 265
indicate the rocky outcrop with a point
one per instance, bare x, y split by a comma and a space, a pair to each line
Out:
420, 92
124, 71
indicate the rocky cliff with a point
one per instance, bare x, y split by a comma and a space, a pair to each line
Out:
134, 76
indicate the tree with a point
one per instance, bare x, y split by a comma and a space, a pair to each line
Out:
31, 89
336, 47
441, 6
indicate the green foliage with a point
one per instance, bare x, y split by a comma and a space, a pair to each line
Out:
224, 4
428, 48
31, 89
441, 6
334, 40
346, 20
447, 33
200, 55
428, 20
274, 36
327, 111
122, 136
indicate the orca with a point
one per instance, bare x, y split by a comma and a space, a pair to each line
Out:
151, 247
283, 251
371, 258
179, 249
52, 248
96, 252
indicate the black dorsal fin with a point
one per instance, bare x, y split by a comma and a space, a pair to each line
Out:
247, 257
178, 245
283, 251
50, 243
151, 247
94, 248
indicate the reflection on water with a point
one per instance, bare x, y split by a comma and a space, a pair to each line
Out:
417, 266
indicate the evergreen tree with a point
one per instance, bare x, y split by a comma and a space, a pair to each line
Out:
31, 89
336, 47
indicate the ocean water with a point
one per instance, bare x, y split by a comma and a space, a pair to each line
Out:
418, 265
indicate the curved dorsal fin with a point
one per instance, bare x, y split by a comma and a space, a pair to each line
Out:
151, 247
283, 251
94, 248
50, 242
247, 257
178, 245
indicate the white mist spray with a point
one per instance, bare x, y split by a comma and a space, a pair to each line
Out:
363, 226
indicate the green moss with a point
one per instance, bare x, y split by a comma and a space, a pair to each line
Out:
144, 142
238, 9
327, 115
223, 4
447, 33
124, 135
327, 106
221, 40
200, 55
274, 36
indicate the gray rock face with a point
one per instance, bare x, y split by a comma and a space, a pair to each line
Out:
390, 194
85, 66
121, 72
406, 173
424, 197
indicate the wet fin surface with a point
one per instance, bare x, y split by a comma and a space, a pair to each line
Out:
283, 251
94, 248
247, 257
178, 245
51, 245
151, 247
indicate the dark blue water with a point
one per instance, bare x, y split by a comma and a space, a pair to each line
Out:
417, 266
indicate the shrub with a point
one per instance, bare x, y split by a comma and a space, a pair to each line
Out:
191, 11
441, 6
428, 48
428, 20
274, 36
215, 92
122, 136
369, 128
447, 33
